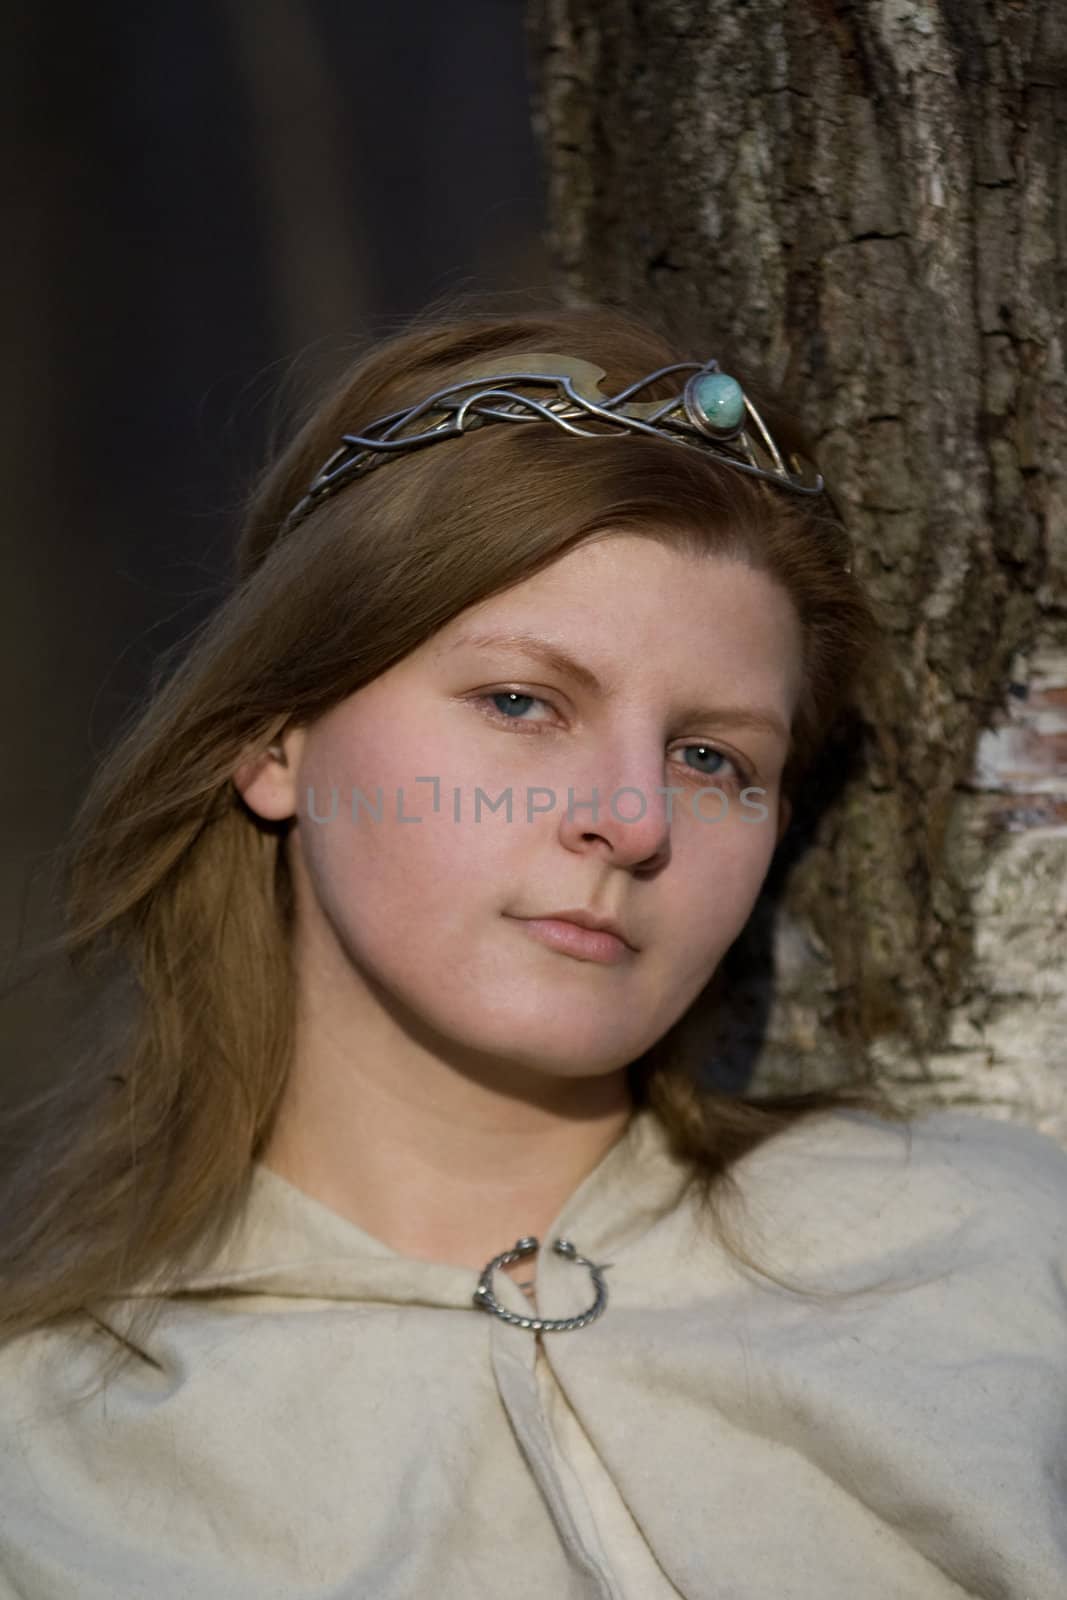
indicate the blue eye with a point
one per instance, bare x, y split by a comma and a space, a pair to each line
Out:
513, 694
519, 703
711, 750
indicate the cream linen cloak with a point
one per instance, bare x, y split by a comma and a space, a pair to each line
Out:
320, 1417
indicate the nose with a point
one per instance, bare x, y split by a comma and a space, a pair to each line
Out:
629, 809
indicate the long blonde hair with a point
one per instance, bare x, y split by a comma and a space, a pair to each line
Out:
133, 1165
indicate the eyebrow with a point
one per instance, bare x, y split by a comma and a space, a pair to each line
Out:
553, 655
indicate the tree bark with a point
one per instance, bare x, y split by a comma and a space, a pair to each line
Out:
866, 201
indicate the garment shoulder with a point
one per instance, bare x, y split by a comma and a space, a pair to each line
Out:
994, 1163
1014, 1148
977, 1155
47, 1373
947, 1192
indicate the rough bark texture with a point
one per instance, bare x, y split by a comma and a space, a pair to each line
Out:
868, 201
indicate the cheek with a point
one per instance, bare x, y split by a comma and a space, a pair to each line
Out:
418, 908
413, 879
395, 764
719, 872
427, 838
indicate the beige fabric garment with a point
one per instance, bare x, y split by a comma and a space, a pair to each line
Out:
319, 1417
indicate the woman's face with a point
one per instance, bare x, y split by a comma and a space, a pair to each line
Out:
422, 909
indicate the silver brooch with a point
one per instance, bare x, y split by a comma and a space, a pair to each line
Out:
484, 1297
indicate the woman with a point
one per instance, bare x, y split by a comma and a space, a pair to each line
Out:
386, 1248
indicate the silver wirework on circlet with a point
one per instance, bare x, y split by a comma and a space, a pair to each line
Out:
743, 442
484, 1297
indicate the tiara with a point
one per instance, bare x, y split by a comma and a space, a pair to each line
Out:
712, 413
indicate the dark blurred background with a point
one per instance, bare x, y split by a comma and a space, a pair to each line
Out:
210, 205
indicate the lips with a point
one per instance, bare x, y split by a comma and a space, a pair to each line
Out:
587, 919
570, 938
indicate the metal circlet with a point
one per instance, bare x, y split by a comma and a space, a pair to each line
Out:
736, 435
484, 1297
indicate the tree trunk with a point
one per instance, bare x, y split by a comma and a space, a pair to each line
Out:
866, 200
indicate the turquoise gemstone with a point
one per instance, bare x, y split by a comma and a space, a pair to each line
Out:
721, 399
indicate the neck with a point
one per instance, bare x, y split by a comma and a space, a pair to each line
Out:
439, 1159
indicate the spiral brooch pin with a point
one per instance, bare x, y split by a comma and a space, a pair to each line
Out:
484, 1297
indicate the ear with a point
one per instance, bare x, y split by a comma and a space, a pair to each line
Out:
267, 782
785, 813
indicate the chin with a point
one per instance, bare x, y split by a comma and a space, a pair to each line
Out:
517, 1021
563, 1052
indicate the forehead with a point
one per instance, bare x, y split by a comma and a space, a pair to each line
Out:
627, 609
610, 575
